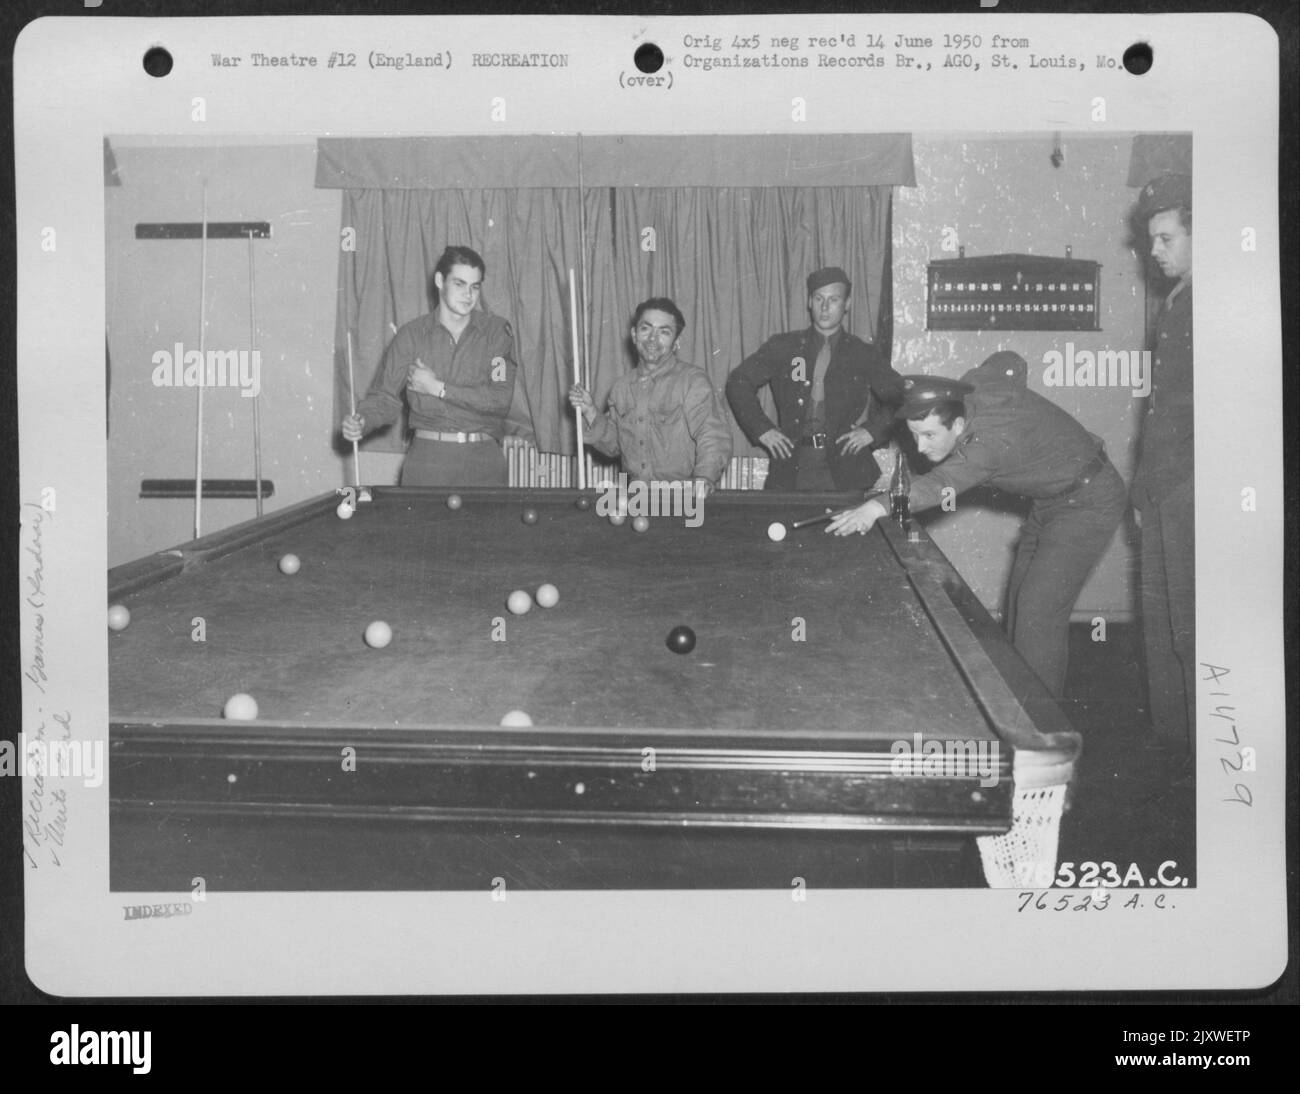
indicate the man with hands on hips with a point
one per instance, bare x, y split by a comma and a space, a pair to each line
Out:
834, 396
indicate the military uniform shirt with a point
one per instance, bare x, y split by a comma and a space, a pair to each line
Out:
1167, 449
1022, 443
666, 425
478, 369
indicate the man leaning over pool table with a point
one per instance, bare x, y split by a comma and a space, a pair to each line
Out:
665, 419
990, 428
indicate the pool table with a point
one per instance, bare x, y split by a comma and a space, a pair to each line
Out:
789, 744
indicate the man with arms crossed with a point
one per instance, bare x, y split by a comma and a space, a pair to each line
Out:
457, 368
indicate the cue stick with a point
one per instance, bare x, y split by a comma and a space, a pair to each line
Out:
203, 357
577, 367
830, 514
257, 400
582, 266
352, 399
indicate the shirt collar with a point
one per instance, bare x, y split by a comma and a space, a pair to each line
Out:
474, 323
644, 373
833, 341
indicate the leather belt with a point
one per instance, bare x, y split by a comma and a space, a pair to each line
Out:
455, 438
1091, 470
815, 440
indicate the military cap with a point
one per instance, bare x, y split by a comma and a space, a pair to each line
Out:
829, 275
1164, 193
921, 394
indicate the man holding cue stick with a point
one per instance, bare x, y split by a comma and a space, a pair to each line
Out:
664, 420
455, 370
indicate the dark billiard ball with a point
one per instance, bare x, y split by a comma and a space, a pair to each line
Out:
584, 503
530, 516
681, 640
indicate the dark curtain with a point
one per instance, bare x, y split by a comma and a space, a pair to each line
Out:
735, 261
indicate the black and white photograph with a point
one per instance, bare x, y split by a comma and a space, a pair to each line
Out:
658, 496
450, 656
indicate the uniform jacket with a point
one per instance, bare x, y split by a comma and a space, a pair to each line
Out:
1015, 440
1165, 459
857, 370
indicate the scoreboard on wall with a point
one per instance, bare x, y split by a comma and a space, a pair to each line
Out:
1013, 292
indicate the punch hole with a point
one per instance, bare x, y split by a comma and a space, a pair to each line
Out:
157, 62
1138, 58
649, 58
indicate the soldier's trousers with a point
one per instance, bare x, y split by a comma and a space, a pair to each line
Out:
1169, 613
1060, 543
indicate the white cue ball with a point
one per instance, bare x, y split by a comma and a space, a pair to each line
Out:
516, 718
776, 531
240, 708
290, 564
519, 602
118, 617
378, 634
345, 510
548, 596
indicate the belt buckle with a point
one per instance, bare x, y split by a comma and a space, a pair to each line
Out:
819, 440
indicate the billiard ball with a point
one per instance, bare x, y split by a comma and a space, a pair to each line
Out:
454, 502
530, 516
548, 596
776, 531
519, 602
345, 510
290, 564
516, 718
118, 617
641, 524
378, 634
240, 708
617, 519
583, 503
681, 640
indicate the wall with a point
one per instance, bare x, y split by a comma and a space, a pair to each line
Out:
1002, 195
153, 303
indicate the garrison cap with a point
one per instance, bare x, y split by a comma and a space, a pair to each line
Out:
829, 275
1164, 193
921, 394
